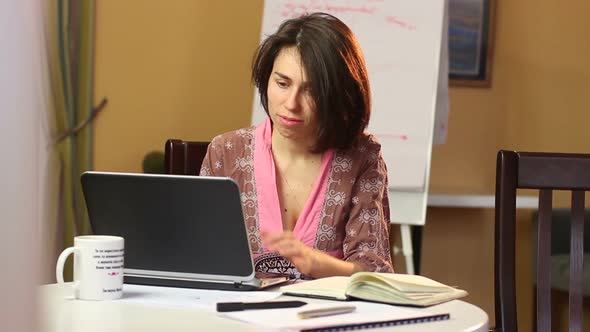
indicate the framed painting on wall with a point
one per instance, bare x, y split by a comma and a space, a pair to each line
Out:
470, 42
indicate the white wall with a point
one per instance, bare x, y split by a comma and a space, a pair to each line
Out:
22, 145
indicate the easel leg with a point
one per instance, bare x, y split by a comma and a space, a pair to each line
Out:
407, 248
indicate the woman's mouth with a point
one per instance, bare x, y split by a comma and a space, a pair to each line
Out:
287, 121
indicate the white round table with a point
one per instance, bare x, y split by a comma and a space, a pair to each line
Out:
60, 313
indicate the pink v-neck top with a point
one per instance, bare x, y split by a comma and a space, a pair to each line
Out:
269, 207
346, 214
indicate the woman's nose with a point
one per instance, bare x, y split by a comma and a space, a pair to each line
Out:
292, 102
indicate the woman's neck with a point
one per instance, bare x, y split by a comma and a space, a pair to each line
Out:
290, 149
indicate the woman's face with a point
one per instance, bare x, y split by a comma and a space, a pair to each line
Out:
290, 104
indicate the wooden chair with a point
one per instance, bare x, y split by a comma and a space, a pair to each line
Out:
545, 172
184, 157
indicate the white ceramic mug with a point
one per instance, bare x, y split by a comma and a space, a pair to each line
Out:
98, 267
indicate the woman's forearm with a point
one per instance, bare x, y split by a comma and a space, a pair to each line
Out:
325, 265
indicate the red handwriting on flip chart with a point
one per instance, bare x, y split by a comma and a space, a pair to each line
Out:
371, 8
398, 22
402, 137
293, 9
351, 9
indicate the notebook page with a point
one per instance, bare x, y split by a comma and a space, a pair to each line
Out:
203, 299
403, 282
331, 287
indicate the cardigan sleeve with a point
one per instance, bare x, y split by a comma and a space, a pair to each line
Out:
214, 158
366, 240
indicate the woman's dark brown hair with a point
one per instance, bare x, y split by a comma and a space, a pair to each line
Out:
336, 69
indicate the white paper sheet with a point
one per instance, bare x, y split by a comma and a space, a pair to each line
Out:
190, 298
366, 312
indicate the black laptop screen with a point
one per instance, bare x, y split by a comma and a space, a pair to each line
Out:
183, 224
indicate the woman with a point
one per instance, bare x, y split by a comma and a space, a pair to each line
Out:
313, 184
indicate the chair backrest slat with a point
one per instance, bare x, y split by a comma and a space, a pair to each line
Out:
576, 261
544, 261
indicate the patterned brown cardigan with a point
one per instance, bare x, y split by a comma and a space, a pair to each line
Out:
354, 221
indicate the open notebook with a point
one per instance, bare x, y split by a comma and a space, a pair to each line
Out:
402, 289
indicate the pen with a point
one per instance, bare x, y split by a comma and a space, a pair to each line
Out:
312, 313
239, 306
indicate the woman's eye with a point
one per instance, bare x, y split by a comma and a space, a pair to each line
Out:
282, 84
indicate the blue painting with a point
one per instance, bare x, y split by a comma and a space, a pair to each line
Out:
469, 22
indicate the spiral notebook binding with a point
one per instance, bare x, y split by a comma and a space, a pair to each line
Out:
362, 326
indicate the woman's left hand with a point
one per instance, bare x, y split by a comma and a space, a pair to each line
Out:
288, 246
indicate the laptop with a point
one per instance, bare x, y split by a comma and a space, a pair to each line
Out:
180, 231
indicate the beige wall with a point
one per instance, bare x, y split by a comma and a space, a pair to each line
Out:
181, 69
170, 69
